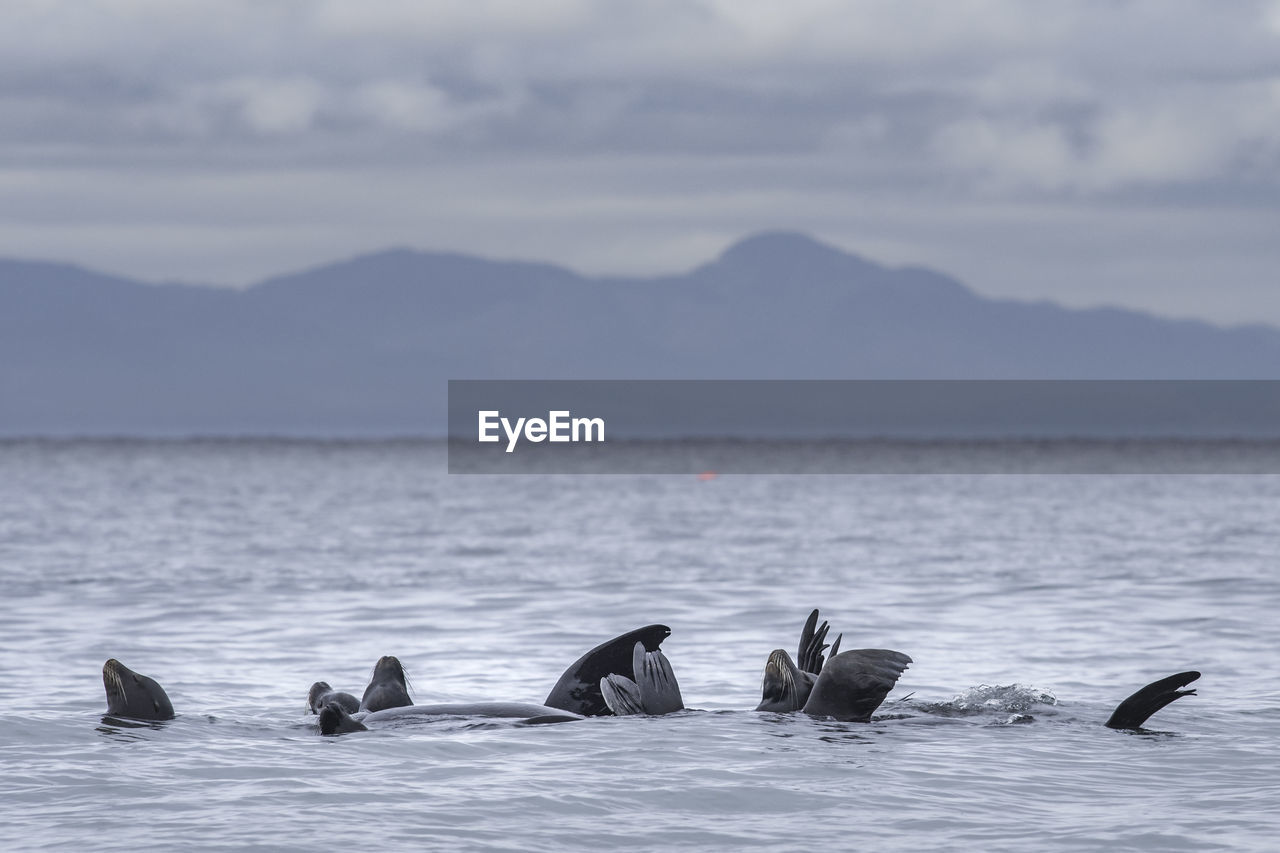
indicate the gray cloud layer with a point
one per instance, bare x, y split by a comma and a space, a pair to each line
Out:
1094, 151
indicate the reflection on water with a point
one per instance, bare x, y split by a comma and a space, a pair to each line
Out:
122, 729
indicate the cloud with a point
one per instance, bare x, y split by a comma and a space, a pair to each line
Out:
1201, 134
700, 76
686, 121
1010, 152
399, 105
287, 105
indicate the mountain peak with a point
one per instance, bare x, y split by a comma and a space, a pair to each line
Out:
775, 253
774, 242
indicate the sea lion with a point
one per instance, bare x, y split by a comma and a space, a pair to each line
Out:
576, 695
322, 694
335, 720
1134, 711
388, 687
578, 690
132, 695
848, 686
654, 690
786, 685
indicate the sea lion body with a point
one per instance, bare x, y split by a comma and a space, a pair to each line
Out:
322, 694
334, 720
469, 709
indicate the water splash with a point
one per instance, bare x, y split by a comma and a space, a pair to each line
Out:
1013, 699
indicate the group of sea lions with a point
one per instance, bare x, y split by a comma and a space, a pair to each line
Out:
627, 675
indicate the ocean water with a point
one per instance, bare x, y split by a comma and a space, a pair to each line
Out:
237, 573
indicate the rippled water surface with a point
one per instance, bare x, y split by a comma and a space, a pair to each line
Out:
237, 573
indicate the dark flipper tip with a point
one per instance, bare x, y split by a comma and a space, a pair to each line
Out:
1138, 708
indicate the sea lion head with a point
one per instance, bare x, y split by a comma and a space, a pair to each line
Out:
133, 695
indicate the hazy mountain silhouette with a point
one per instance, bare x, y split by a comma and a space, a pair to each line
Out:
366, 345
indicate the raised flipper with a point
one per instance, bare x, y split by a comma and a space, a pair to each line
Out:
657, 681
1134, 711
622, 695
578, 689
334, 720
812, 643
854, 683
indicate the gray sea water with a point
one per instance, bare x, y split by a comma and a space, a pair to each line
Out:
237, 573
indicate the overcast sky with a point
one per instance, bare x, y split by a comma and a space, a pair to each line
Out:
1091, 152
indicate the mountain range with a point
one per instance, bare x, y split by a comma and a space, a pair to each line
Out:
365, 346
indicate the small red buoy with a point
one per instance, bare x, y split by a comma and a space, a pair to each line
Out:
707, 475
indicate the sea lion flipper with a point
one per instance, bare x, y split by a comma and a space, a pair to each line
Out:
578, 690
1135, 710
854, 683
809, 654
621, 695
657, 681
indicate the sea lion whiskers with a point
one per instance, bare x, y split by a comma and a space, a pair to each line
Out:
773, 667
118, 683
111, 670
783, 687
